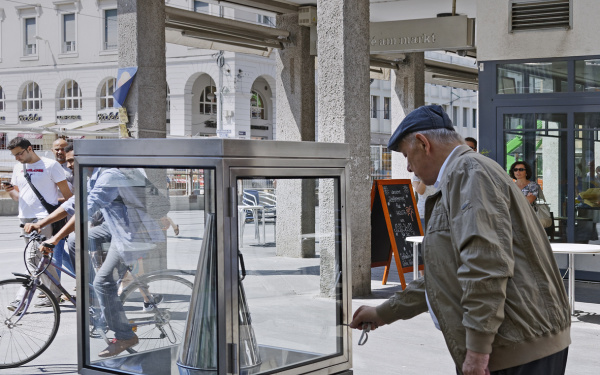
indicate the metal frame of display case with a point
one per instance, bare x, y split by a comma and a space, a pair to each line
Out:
230, 159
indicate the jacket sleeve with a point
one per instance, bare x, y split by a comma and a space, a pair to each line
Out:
481, 230
405, 304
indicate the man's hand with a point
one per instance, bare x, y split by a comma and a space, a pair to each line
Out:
47, 247
476, 364
366, 314
30, 227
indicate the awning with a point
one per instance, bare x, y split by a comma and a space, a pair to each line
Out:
74, 125
199, 30
39, 124
31, 135
101, 126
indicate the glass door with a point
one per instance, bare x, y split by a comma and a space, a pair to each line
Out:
559, 144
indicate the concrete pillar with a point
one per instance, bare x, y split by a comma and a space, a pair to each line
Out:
343, 63
295, 98
142, 44
408, 93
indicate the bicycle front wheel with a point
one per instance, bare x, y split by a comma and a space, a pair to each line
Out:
165, 325
23, 340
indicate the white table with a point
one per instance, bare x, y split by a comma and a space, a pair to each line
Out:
416, 240
572, 249
242, 217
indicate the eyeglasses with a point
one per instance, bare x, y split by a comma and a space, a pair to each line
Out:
519, 170
19, 153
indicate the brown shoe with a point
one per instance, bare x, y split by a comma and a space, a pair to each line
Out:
117, 346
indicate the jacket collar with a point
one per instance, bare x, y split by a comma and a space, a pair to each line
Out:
455, 154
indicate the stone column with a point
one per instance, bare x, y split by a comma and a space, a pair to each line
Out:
343, 63
408, 93
295, 98
141, 27
142, 44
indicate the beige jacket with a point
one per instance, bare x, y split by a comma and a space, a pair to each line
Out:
490, 275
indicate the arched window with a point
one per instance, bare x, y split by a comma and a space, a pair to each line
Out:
257, 106
208, 101
31, 100
106, 93
2, 100
70, 96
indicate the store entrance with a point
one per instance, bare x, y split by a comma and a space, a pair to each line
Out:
561, 144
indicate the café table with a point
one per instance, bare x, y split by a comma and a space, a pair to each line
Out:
573, 249
416, 240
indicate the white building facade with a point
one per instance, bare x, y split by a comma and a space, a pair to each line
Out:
59, 63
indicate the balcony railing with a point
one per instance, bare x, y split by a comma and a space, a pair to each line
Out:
30, 49
110, 45
69, 46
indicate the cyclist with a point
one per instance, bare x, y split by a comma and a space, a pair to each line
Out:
48, 178
116, 194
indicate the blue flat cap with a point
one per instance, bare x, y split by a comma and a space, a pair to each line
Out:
426, 117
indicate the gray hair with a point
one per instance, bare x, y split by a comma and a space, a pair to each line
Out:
441, 136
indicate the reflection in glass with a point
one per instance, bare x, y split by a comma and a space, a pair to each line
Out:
587, 177
140, 268
537, 139
290, 243
587, 75
532, 78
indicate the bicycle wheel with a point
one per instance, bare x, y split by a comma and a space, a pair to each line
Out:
22, 341
165, 325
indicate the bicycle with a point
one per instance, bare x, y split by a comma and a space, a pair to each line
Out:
156, 305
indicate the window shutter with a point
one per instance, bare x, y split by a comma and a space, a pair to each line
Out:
540, 14
69, 27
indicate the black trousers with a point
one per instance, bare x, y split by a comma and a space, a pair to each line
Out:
554, 364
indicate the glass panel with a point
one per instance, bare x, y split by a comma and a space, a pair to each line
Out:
537, 140
532, 78
587, 75
69, 27
290, 297
147, 237
587, 177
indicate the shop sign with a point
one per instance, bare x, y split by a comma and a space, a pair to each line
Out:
109, 116
68, 117
428, 34
30, 117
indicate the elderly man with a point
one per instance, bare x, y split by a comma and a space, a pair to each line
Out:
491, 283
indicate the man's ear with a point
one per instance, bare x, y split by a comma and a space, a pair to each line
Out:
422, 142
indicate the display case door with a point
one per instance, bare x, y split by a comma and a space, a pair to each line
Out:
291, 258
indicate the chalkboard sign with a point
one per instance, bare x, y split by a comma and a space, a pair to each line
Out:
393, 218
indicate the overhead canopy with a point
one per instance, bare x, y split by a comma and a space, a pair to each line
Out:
40, 124
199, 30
74, 125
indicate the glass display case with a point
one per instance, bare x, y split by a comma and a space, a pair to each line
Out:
213, 256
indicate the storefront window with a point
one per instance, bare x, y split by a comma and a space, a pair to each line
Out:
532, 78
587, 176
587, 75
541, 141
